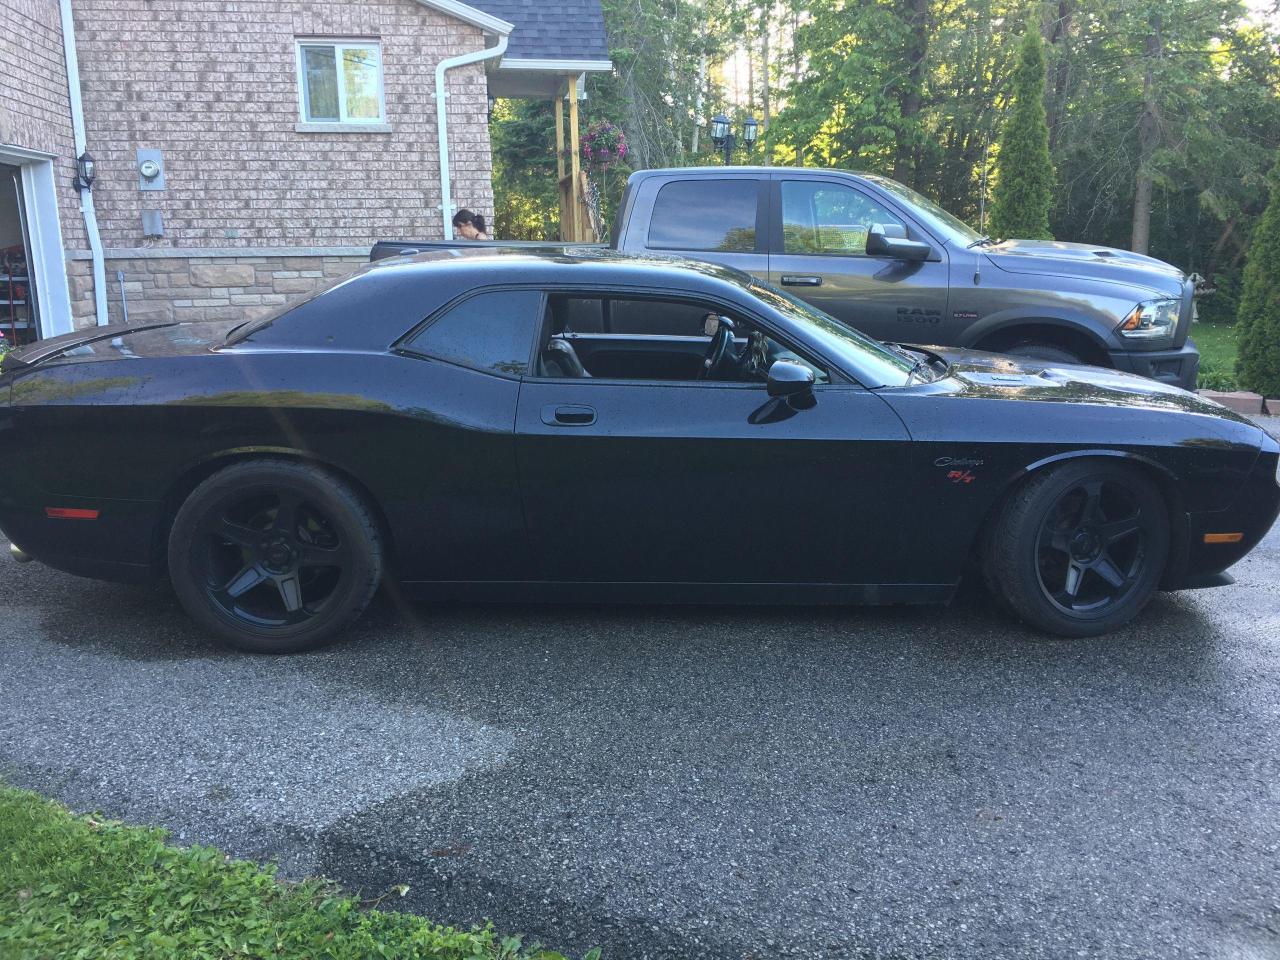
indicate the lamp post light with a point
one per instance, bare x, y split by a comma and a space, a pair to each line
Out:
722, 136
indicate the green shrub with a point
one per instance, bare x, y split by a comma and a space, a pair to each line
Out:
1214, 376
78, 888
1259, 317
1024, 187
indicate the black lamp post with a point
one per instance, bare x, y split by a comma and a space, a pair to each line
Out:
84, 171
723, 138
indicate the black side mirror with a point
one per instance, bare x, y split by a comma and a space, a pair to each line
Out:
890, 240
791, 381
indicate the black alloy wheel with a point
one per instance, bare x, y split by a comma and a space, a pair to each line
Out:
274, 555
1080, 548
1092, 546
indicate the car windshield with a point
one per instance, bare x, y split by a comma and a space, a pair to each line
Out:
870, 359
956, 229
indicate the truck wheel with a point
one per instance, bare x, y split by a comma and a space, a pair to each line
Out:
1039, 350
1080, 549
274, 556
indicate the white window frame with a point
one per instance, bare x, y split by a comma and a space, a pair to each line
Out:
339, 44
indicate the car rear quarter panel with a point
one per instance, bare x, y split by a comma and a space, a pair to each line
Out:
124, 436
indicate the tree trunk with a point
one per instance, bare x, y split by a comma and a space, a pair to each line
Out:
1057, 37
1148, 142
912, 94
765, 104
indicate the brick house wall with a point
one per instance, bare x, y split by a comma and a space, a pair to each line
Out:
35, 109
254, 210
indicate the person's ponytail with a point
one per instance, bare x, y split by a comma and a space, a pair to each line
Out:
477, 221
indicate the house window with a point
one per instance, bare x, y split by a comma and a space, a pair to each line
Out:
340, 81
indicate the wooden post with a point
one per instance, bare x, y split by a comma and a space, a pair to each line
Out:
575, 183
561, 186
559, 135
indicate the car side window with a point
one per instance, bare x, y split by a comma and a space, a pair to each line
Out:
653, 338
827, 218
492, 331
718, 215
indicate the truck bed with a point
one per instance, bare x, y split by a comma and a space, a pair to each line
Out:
404, 248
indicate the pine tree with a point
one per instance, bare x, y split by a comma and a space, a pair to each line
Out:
1259, 316
1024, 184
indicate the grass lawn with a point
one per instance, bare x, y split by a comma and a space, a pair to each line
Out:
1219, 345
79, 887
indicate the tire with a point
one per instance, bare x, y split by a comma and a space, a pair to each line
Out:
1038, 350
1079, 550
274, 556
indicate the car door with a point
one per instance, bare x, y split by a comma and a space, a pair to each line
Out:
818, 252
630, 481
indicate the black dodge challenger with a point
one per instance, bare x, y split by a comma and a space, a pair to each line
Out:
600, 427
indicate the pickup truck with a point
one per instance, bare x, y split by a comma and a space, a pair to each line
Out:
895, 265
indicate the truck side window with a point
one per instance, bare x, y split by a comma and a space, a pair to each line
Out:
826, 218
705, 214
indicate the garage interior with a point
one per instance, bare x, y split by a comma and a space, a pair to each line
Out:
18, 305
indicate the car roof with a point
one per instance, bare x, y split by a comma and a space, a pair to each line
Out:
566, 264
378, 304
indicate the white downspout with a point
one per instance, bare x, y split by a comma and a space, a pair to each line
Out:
86, 195
442, 121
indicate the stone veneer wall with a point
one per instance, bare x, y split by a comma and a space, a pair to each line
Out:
204, 288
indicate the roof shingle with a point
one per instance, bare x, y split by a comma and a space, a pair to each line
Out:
563, 30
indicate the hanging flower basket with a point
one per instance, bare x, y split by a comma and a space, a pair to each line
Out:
603, 145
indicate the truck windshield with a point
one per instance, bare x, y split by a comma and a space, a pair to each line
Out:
874, 363
953, 227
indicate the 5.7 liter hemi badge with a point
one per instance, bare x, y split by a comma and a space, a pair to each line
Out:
964, 315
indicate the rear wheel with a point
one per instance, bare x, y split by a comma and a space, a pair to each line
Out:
1079, 550
274, 556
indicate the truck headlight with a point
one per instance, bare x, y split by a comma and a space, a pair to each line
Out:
1151, 319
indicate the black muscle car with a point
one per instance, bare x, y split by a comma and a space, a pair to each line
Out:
603, 427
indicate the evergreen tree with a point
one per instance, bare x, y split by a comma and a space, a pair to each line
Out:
1024, 187
1259, 317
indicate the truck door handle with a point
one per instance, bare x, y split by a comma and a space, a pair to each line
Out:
800, 280
568, 415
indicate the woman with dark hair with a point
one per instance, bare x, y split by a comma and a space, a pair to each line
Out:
470, 226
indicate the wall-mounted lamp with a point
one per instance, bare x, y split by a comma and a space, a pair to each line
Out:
492, 103
84, 171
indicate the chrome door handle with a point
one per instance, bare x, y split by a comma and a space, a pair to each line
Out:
800, 280
568, 415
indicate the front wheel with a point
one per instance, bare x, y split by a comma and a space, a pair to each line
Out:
274, 556
1044, 352
1079, 550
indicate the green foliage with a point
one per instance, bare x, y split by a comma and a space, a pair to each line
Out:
526, 204
1024, 188
77, 888
1259, 318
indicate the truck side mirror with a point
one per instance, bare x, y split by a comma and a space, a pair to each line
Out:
890, 240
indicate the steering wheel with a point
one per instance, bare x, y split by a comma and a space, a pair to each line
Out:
717, 349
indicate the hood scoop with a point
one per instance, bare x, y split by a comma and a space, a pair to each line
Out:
987, 379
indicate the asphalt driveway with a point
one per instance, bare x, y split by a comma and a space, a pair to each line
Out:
687, 782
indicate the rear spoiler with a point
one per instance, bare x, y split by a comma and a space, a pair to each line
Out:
42, 350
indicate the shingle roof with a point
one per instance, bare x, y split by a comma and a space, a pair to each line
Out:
562, 30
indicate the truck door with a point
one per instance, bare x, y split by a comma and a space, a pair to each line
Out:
818, 252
